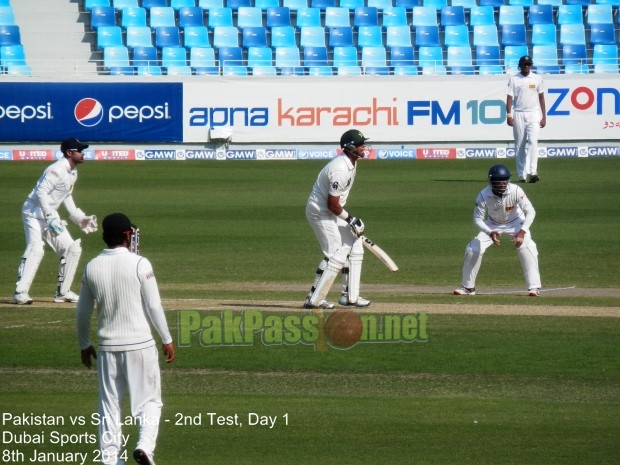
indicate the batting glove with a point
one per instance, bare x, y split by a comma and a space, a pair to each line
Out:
357, 225
54, 224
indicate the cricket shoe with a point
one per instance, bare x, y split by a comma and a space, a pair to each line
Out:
324, 304
21, 298
465, 291
142, 457
70, 296
360, 302
532, 178
534, 292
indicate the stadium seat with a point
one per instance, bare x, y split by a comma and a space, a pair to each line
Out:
178, 4
148, 4
487, 55
344, 56
208, 4
467, 4
340, 37
133, 17
572, 34
12, 55
402, 56
120, 4
459, 60
230, 70
490, 69
546, 59
219, 16
191, 16
374, 57
287, 57
398, 36
236, 4
144, 56
427, 36
351, 5
456, 35
569, 14
113, 57
88, 4
602, 34
337, 17
553, 3
485, 35
365, 16
122, 71
138, 36
394, 16
544, 34
162, 16
196, 36
173, 56
264, 71
376, 70
295, 5
599, 14
202, 61
230, 56
481, 16
308, 17
512, 54
523, 3
312, 36
99, 16
11, 35
575, 59
254, 37
405, 71
278, 16
437, 4
424, 16
225, 36
369, 36
511, 14
283, 36
492, 3
409, 4
149, 71
349, 71
314, 56
381, 4
540, 14
320, 71
430, 60
578, 2
323, 4
249, 16
605, 58
265, 4
513, 34
260, 56
107, 36
452, 16
167, 36
613, 3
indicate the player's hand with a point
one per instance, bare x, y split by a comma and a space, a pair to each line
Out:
54, 224
357, 225
88, 224
509, 121
495, 238
543, 122
86, 355
518, 238
168, 350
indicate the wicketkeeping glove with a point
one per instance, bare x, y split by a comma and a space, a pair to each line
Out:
89, 225
54, 224
357, 225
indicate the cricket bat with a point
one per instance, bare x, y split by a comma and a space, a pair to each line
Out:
380, 254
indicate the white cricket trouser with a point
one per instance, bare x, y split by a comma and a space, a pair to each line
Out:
331, 232
528, 254
525, 129
138, 372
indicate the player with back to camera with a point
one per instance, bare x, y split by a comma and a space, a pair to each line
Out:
123, 286
337, 231
501, 208
526, 114
42, 224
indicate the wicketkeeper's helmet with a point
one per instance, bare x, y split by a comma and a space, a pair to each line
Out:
499, 177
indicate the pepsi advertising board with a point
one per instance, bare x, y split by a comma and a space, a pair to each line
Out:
136, 112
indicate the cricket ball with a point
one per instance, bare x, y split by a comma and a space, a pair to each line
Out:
343, 328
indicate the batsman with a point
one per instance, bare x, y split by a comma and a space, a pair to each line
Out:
337, 231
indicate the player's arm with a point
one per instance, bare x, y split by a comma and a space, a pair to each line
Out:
543, 109
509, 119
85, 307
480, 212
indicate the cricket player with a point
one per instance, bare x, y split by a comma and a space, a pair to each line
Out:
501, 208
337, 231
526, 114
42, 224
123, 287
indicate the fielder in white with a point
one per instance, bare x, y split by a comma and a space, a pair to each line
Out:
526, 114
123, 287
42, 223
337, 231
501, 209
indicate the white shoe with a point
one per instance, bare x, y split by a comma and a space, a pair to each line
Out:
360, 302
464, 291
322, 304
534, 292
70, 296
21, 298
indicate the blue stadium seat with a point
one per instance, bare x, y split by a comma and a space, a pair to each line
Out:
490, 69
236, 4
456, 35
133, 17
219, 16
369, 36
602, 34
122, 71
492, 3
394, 16
278, 16
312, 36
578, 2
540, 14
467, 4
575, 59
481, 16
349, 71
437, 4
283, 36
264, 71
315, 56
614, 3
107, 36
196, 36
149, 71
320, 71
487, 55
202, 61
459, 60
148, 4
380, 4
287, 57
191, 16
351, 5
570, 14
173, 56
179, 71
511, 14
144, 56
120, 4
265, 4
375, 57
337, 17
162, 16
405, 71
599, 14
260, 56
546, 59
365, 16
398, 36
308, 17
553, 3
376, 70
254, 37
427, 36
544, 34
512, 54
208, 4
178, 4
11, 35
402, 56
229, 70
88, 4
99, 16
167, 36
249, 16
572, 34
12, 55
452, 16
523, 3
605, 58
424, 16
225, 36
230, 56
295, 4
485, 35
138, 36
340, 37
323, 4
430, 60
113, 57
513, 34
344, 56
409, 4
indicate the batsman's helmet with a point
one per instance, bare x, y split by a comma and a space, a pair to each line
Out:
499, 177
351, 139
525, 60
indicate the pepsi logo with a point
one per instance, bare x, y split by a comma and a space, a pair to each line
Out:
88, 112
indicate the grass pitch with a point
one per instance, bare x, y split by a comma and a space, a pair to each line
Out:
484, 389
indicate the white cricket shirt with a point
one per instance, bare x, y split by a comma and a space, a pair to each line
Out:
336, 179
514, 205
524, 91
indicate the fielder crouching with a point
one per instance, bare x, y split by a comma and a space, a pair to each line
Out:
337, 231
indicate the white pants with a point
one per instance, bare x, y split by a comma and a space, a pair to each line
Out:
331, 232
138, 372
528, 254
525, 129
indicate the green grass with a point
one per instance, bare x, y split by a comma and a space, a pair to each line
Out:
488, 389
